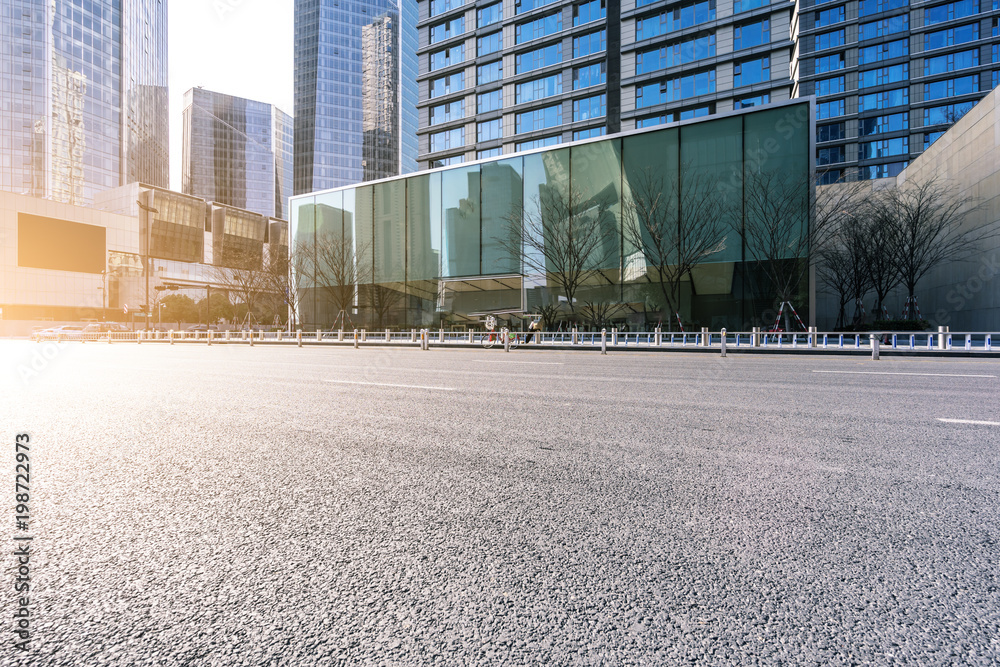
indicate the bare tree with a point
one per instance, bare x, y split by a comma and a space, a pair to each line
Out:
929, 229
337, 268
674, 228
281, 269
880, 232
566, 238
243, 277
598, 313
785, 221
842, 269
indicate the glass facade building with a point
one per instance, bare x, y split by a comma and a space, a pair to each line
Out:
556, 71
566, 232
237, 152
890, 76
355, 91
83, 96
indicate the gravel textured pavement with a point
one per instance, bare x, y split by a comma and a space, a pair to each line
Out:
227, 505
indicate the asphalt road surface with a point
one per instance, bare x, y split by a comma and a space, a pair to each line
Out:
195, 505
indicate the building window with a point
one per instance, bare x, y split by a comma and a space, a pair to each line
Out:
829, 40
951, 36
490, 101
489, 15
590, 107
538, 119
831, 155
830, 16
873, 171
447, 84
756, 101
678, 88
677, 18
953, 10
751, 34
489, 152
952, 61
585, 12
538, 89
931, 137
442, 6
538, 143
884, 75
447, 57
831, 132
489, 72
962, 85
830, 176
489, 130
830, 63
880, 52
442, 141
830, 109
543, 57
895, 122
947, 114
488, 44
446, 112
590, 133
447, 30
867, 7
747, 5
590, 75
884, 27
884, 99
521, 6
540, 27
830, 86
752, 71
679, 53
584, 45
884, 148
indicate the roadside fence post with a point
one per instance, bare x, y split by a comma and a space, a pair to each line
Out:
319, 335
941, 337
170, 336
573, 339
812, 336
604, 341
440, 335
723, 345
278, 337
874, 340
340, 335
413, 335
355, 339
363, 335
968, 341
755, 337
658, 338
470, 337
506, 341
388, 336
298, 337
209, 339
614, 336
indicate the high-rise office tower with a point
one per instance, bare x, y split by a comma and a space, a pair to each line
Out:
498, 77
890, 76
355, 91
83, 96
237, 152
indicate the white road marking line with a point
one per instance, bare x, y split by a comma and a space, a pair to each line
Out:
386, 384
539, 363
943, 375
967, 421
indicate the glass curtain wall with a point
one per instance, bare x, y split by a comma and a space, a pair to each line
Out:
670, 227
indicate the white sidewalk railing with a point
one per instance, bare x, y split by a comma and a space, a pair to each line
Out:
942, 341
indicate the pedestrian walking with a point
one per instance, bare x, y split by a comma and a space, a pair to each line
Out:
532, 328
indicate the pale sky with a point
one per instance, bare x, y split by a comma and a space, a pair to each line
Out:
237, 47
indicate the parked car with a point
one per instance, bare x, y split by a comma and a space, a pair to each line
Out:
102, 327
202, 327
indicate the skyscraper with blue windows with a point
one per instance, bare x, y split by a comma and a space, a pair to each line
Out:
355, 91
890, 76
83, 96
501, 76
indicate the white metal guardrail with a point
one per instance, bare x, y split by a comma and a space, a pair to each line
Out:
876, 341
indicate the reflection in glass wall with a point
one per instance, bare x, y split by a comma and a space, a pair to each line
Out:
667, 228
